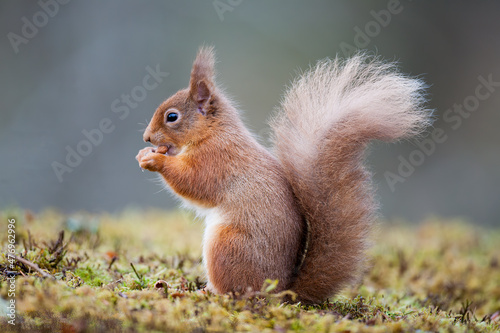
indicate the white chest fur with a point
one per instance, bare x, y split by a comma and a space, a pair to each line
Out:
212, 217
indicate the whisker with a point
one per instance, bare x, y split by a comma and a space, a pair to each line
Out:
144, 126
161, 190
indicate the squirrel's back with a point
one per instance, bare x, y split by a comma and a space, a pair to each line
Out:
327, 117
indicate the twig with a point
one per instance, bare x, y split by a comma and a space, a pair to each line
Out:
141, 281
137, 274
113, 259
32, 265
58, 245
29, 241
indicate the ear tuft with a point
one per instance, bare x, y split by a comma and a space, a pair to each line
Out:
203, 67
202, 83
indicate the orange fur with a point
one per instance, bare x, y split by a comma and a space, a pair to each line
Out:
263, 210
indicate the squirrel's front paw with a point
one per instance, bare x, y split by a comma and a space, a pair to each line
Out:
150, 160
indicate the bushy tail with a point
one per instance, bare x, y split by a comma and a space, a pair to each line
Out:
327, 117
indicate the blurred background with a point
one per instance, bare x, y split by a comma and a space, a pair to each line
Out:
80, 79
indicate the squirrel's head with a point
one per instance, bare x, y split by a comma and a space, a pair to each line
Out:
185, 117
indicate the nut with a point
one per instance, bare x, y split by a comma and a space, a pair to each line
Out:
162, 149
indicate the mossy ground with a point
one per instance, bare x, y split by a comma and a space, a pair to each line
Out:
435, 276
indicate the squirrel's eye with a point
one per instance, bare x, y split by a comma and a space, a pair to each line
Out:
171, 117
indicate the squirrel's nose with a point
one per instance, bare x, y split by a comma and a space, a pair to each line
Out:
146, 137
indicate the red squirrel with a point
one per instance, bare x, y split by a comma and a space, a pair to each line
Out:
301, 212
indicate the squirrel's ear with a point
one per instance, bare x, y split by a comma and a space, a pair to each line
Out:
202, 83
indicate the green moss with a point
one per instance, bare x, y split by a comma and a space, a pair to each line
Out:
93, 276
436, 276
